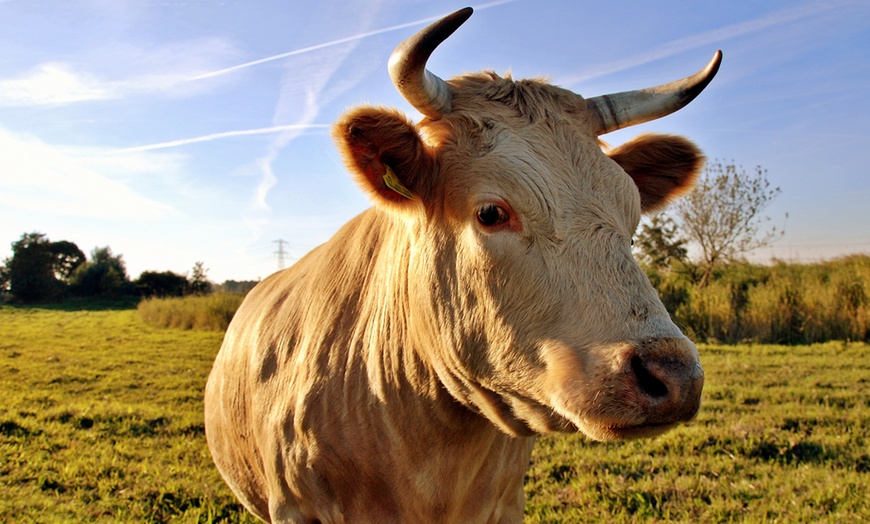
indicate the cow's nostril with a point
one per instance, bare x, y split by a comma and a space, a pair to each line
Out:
648, 383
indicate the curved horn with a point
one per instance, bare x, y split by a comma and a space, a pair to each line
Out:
425, 91
619, 110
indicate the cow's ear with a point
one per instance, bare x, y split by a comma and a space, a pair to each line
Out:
663, 167
383, 150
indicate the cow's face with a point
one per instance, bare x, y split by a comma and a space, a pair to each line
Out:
524, 294
515, 234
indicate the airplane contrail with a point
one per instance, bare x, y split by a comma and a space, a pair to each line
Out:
216, 136
694, 41
290, 127
335, 42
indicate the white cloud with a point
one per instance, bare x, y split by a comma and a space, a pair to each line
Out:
51, 84
124, 70
35, 176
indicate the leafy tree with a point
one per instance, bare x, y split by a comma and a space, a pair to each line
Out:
161, 284
66, 257
31, 275
723, 214
658, 244
104, 275
199, 284
40, 269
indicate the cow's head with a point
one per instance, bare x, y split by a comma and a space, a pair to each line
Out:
522, 290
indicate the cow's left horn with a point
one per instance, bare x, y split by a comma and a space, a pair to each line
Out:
620, 110
424, 90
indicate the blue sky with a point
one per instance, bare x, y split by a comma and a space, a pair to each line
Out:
198, 130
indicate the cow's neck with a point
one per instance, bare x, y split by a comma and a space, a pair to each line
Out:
436, 442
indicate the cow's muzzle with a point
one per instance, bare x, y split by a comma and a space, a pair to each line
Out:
628, 389
668, 379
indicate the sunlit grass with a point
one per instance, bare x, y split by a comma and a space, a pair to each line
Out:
101, 421
783, 436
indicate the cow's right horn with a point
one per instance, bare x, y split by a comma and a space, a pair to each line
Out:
424, 90
620, 110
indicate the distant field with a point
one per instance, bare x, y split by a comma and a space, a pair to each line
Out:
101, 421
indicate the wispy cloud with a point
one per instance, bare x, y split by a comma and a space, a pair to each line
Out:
120, 72
57, 180
310, 79
680, 45
52, 83
219, 136
336, 42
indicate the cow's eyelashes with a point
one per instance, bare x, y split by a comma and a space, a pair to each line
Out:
489, 215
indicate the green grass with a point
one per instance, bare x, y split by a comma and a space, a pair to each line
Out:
783, 436
101, 421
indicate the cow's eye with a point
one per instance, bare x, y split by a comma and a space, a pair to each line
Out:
491, 215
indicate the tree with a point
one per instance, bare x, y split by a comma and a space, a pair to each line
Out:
40, 269
198, 282
104, 275
31, 275
66, 257
161, 284
722, 215
658, 243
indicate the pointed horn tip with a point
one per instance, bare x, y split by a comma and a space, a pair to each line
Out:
714, 63
407, 65
702, 78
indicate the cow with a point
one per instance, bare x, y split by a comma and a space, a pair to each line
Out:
401, 371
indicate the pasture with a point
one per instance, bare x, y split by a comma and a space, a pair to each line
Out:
101, 421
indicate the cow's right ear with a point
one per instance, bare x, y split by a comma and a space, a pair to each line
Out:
383, 150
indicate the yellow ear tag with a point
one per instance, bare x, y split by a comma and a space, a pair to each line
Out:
392, 182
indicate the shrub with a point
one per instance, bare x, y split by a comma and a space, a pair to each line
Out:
785, 303
206, 313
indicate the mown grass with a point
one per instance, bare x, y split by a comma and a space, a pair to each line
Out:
783, 436
101, 421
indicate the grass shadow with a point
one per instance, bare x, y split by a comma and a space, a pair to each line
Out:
121, 303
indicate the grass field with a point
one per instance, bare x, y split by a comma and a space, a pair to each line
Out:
101, 421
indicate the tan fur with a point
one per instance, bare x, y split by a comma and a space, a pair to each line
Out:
663, 167
399, 372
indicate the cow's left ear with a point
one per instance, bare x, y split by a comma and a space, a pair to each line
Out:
383, 150
663, 167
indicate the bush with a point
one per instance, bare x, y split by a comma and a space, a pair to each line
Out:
783, 303
161, 284
206, 313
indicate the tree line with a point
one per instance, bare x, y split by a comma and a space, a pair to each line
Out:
44, 270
